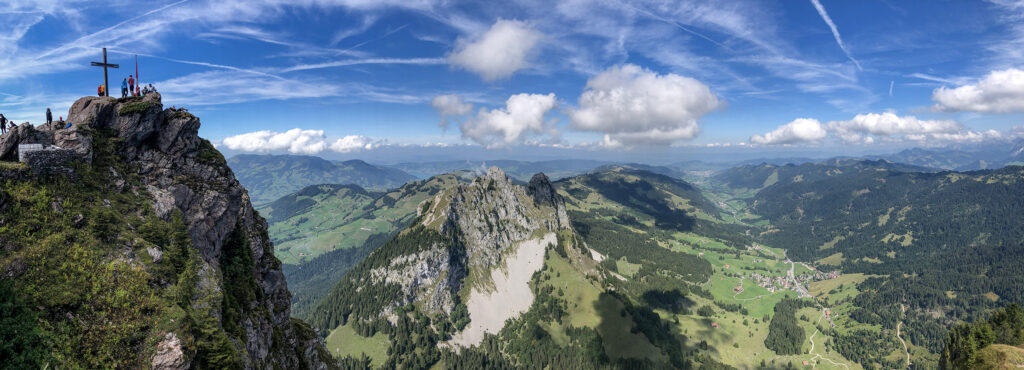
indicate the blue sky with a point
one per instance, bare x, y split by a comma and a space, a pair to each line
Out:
533, 79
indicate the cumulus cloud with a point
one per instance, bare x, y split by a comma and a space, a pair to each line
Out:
870, 128
635, 106
523, 114
997, 92
294, 141
355, 143
449, 106
298, 141
497, 53
889, 124
797, 131
965, 136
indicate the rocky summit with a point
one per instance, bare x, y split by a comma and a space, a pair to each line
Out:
467, 261
220, 302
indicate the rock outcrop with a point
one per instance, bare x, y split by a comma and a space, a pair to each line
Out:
482, 221
179, 171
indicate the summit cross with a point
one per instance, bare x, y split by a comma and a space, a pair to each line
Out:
105, 65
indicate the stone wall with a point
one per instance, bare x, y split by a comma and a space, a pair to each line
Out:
50, 161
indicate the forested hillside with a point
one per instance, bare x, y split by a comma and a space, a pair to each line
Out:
996, 342
269, 177
931, 248
323, 218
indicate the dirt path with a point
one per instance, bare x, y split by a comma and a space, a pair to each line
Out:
818, 355
903, 309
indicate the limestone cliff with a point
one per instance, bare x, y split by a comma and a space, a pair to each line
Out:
471, 239
181, 174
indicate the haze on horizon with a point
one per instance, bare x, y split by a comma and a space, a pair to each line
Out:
645, 81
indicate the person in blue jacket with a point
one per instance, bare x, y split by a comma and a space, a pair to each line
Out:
124, 88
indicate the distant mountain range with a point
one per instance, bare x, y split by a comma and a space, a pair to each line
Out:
991, 156
517, 170
269, 177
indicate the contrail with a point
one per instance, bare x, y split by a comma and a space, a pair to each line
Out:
352, 62
891, 84
204, 64
51, 52
835, 32
672, 22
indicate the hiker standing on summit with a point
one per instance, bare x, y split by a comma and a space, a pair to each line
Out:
124, 88
49, 116
3, 124
131, 85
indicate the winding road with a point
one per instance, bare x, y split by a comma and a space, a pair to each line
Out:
817, 355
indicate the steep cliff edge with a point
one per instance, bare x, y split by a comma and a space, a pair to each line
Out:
465, 267
213, 296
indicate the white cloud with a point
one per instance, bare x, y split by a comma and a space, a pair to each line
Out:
872, 128
523, 114
799, 130
635, 106
998, 92
298, 141
889, 124
355, 143
966, 136
497, 53
294, 141
448, 106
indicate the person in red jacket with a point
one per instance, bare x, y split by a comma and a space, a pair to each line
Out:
131, 85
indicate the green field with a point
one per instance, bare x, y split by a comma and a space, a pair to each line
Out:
344, 341
345, 218
824, 288
588, 307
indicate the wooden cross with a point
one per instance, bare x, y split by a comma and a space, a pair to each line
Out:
105, 65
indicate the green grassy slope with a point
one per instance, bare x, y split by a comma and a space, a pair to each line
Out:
324, 218
269, 177
81, 287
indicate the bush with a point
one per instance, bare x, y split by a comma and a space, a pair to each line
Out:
132, 108
210, 155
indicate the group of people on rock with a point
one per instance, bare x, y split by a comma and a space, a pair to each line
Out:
128, 88
4, 124
9, 125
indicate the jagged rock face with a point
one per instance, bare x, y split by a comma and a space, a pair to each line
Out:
544, 194
484, 219
181, 172
491, 214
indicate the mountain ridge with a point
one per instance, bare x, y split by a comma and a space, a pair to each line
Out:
153, 172
269, 177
